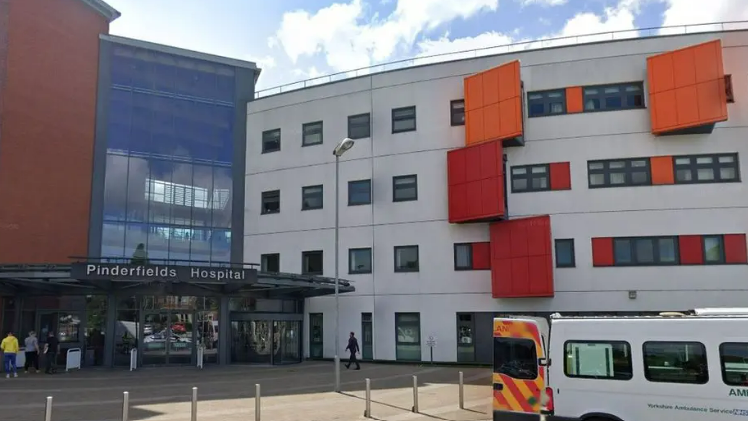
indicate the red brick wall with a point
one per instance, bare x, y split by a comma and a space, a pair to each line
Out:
48, 119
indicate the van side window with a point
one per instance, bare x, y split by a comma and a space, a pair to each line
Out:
607, 360
516, 358
675, 362
733, 357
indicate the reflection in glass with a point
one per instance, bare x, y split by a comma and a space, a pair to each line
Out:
155, 337
125, 336
207, 335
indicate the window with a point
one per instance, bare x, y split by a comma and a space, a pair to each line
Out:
613, 97
528, 178
311, 262
270, 262
733, 357
464, 256
465, 337
403, 119
408, 336
675, 362
359, 126
457, 112
406, 259
359, 260
271, 141
706, 168
404, 188
271, 202
359, 192
516, 358
610, 360
729, 95
316, 324
565, 253
311, 134
619, 173
646, 251
311, 197
714, 250
546, 103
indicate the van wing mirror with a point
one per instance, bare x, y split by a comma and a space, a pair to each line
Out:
544, 362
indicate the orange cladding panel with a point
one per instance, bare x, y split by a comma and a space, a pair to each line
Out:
574, 103
662, 170
491, 86
686, 88
474, 92
493, 100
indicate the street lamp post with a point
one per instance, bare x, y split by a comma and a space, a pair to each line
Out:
339, 150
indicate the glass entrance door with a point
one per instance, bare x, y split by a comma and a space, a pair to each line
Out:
286, 344
155, 336
367, 337
168, 338
251, 341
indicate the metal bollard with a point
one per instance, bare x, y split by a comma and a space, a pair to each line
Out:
336, 360
257, 402
48, 410
194, 404
367, 414
415, 394
462, 391
125, 406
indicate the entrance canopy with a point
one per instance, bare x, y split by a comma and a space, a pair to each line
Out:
106, 276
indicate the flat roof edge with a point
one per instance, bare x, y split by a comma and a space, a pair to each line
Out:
180, 52
103, 9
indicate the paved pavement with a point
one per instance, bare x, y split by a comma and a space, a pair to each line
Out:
289, 393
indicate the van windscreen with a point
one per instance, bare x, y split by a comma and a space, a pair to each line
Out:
516, 358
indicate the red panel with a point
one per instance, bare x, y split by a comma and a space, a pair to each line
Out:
691, 250
481, 256
476, 180
602, 251
560, 176
735, 248
521, 261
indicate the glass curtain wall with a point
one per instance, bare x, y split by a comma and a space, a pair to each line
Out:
168, 183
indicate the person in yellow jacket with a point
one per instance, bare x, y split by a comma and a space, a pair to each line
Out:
9, 345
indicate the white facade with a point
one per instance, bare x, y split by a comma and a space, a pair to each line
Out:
437, 291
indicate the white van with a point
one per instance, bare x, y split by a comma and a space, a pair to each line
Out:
684, 367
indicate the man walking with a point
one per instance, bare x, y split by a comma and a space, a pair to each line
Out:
50, 352
9, 345
353, 348
32, 352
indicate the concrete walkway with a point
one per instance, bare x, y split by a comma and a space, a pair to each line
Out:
289, 393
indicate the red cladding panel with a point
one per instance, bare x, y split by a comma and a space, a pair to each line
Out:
691, 250
602, 251
521, 261
735, 248
560, 176
481, 256
475, 178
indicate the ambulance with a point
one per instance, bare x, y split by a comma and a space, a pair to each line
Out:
690, 366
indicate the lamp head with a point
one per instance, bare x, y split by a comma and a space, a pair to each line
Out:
343, 146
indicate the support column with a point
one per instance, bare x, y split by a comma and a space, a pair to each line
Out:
111, 329
224, 329
18, 312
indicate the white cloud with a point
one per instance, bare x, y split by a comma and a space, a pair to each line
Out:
690, 12
337, 31
264, 63
543, 2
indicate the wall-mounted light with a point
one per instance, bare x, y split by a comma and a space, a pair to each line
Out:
632, 295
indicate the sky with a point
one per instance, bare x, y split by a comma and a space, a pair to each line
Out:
294, 40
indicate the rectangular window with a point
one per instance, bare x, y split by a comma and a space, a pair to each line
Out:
546, 103
311, 197
465, 337
270, 262
601, 360
311, 134
675, 362
408, 336
404, 188
729, 95
464, 256
359, 192
359, 260
359, 126
403, 119
271, 141
457, 112
733, 357
515, 357
613, 97
271, 202
529, 178
565, 253
693, 169
311, 262
406, 259
619, 173
645, 251
714, 249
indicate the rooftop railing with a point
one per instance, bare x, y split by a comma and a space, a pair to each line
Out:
509, 48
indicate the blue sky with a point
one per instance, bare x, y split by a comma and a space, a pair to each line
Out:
292, 40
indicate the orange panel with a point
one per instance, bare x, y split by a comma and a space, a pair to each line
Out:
708, 61
711, 99
509, 85
662, 170
687, 106
491, 86
474, 127
574, 102
684, 73
511, 118
474, 92
660, 72
491, 121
